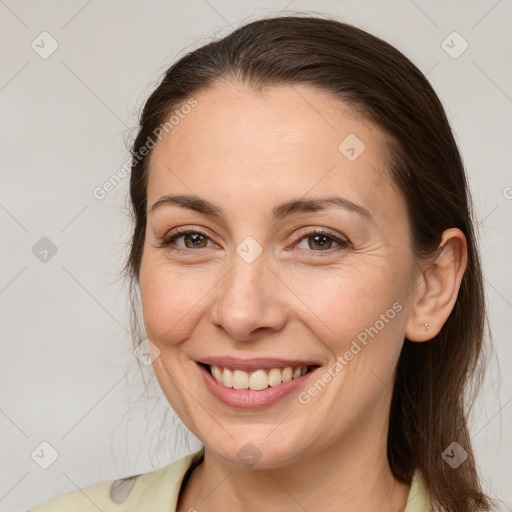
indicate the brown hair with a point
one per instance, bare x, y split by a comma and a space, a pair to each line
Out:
431, 398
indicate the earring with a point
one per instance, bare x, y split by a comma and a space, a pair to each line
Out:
426, 326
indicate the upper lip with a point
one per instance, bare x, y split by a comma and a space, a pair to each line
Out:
253, 364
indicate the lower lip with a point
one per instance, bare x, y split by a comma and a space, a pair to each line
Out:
248, 398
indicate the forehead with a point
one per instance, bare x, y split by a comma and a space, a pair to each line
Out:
244, 145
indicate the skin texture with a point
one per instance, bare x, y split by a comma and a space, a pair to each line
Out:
246, 152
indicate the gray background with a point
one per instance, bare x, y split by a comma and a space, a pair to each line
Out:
68, 376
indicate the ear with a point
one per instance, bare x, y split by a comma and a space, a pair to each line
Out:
437, 287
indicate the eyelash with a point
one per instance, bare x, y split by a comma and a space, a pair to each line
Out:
342, 243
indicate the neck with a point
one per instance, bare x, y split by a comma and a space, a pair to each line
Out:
350, 475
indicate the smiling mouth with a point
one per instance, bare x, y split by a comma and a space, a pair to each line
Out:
256, 380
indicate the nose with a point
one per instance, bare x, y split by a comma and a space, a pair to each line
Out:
249, 303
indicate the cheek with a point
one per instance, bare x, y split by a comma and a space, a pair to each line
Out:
171, 299
360, 318
347, 300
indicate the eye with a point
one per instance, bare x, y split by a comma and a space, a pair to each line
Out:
191, 238
321, 240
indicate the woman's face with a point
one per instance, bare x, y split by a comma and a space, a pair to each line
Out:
257, 287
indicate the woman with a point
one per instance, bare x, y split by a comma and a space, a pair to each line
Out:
304, 250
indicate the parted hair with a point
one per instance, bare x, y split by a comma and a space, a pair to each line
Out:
435, 381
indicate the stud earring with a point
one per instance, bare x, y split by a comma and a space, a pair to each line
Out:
426, 326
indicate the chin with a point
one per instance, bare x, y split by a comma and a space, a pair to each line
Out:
257, 451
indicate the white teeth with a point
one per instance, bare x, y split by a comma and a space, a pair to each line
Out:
257, 380
227, 378
216, 373
274, 377
287, 374
240, 379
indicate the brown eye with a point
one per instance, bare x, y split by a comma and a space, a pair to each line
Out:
192, 239
195, 240
321, 242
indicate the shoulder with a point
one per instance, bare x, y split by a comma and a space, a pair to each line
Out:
153, 491
418, 499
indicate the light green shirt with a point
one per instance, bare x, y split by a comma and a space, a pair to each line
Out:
158, 491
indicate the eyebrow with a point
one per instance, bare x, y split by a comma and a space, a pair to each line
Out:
203, 206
